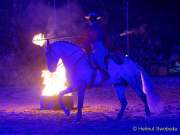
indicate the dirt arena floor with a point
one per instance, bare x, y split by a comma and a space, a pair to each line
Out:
20, 114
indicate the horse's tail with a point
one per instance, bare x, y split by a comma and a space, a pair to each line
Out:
153, 100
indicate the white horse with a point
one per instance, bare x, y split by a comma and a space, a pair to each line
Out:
80, 73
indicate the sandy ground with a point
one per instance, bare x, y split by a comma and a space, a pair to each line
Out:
20, 114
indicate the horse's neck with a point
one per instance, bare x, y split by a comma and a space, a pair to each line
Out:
70, 54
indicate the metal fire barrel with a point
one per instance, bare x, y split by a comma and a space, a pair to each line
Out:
52, 102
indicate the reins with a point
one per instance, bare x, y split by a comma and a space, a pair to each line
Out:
70, 55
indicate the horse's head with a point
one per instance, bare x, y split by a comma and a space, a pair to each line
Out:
68, 52
52, 57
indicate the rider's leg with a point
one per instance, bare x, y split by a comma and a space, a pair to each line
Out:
91, 60
105, 73
120, 88
99, 58
103, 69
137, 87
92, 64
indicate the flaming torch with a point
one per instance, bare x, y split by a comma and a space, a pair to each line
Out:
39, 40
53, 83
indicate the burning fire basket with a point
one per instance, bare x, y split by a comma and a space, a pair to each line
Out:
53, 83
52, 103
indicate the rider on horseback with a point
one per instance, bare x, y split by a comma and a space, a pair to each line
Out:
98, 51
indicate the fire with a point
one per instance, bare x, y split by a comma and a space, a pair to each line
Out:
39, 40
54, 82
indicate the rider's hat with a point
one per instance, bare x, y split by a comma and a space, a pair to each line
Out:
92, 16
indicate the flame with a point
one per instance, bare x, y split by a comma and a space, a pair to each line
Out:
54, 82
39, 40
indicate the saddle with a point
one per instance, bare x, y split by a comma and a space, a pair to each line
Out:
117, 58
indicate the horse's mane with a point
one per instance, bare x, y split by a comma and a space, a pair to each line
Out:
68, 43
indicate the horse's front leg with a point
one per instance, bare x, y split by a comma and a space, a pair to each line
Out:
81, 93
62, 106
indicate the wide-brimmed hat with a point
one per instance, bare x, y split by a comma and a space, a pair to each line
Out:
92, 16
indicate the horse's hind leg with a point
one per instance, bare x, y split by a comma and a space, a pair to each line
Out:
143, 97
120, 90
81, 93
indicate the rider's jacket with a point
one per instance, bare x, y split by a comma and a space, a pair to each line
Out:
98, 51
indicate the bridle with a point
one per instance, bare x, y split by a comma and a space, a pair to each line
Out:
69, 55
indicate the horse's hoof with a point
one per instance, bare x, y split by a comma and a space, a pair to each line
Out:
147, 117
118, 118
77, 120
148, 114
67, 112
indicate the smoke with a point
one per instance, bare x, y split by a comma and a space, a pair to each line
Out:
65, 21
24, 66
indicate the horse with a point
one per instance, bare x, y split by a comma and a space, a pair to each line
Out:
79, 73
